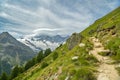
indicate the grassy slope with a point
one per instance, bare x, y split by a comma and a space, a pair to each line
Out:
84, 66
110, 19
84, 63
109, 37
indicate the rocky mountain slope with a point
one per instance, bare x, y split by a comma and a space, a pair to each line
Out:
93, 54
12, 52
42, 42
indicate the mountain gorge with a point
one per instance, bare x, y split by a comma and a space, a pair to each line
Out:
93, 54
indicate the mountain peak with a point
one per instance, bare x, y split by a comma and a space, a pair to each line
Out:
6, 37
12, 52
4, 33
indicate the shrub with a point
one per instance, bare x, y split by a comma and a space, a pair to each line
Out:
15, 72
47, 52
44, 64
104, 53
72, 72
118, 69
4, 76
91, 58
40, 56
29, 64
84, 74
55, 55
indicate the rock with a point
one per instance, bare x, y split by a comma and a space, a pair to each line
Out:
101, 71
98, 45
117, 66
105, 51
74, 40
81, 45
67, 78
90, 53
75, 58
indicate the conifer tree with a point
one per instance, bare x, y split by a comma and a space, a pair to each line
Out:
47, 52
4, 76
15, 72
40, 56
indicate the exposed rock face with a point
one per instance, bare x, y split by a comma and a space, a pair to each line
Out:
74, 40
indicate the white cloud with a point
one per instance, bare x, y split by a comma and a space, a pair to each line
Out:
53, 16
44, 29
3, 14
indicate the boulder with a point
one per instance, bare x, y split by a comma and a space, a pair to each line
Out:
75, 58
81, 45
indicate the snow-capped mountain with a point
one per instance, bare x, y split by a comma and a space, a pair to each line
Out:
42, 42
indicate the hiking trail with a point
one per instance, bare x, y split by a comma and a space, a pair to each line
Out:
106, 70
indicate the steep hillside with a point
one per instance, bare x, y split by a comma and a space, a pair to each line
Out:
107, 30
93, 54
12, 52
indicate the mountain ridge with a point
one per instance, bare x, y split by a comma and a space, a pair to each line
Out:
42, 42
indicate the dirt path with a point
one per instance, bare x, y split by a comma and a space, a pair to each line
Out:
106, 71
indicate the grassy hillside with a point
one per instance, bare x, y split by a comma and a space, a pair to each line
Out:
107, 29
71, 61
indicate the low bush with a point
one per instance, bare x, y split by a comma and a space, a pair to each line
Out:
84, 74
55, 55
44, 64
104, 53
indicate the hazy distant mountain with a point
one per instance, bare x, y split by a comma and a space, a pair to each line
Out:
43, 41
12, 52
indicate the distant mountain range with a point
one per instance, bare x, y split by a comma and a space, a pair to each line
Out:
42, 42
12, 52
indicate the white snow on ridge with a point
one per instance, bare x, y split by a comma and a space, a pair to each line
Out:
39, 44
43, 42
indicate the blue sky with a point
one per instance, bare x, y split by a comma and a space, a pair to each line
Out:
33, 17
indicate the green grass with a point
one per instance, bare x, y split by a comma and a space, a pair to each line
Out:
104, 53
118, 69
113, 18
64, 60
106, 36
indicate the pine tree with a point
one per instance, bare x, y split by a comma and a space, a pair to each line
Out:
21, 69
47, 52
44, 64
28, 65
55, 55
15, 72
34, 61
4, 76
40, 56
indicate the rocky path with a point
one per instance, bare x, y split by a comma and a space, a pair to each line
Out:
106, 70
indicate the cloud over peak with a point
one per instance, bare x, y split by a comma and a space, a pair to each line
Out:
51, 16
